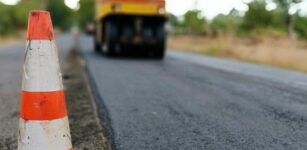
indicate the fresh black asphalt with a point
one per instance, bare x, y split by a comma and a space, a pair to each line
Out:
195, 102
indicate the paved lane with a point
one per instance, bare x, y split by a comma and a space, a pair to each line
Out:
11, 58
195, 102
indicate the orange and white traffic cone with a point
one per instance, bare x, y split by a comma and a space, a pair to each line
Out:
43, 117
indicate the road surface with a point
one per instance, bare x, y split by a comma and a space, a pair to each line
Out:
186, 101
195, 102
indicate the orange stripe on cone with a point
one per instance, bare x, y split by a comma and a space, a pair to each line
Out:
40, 26
43, 105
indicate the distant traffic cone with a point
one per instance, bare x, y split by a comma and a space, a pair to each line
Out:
43, 117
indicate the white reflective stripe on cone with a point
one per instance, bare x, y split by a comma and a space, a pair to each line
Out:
44, 135
41, 70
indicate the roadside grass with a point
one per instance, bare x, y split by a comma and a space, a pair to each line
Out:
9, 41
12, 38
280, 52
212, 51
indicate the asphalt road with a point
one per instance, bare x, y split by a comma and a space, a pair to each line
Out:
194, 102
186, 101
10, 84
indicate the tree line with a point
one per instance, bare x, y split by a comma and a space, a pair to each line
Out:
13, 18
257, 20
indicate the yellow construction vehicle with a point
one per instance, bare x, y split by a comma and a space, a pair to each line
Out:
130, 25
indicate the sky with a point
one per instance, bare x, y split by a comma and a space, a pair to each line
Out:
73, 4
210, 8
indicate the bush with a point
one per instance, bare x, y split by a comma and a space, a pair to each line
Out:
258, 16
300, 26
194, 22
226, 23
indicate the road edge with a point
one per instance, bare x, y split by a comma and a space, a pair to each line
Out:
103, 113
86, 130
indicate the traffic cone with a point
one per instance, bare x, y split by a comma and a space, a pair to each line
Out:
43, 117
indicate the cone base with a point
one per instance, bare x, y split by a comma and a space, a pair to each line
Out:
47, 135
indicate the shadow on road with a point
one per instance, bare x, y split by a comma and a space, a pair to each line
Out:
133, 55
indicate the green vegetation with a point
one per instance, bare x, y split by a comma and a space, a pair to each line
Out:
300, 26
259, 17
257, 21
86, 12
14, 18
213, 51
223, 24
193, 22
288, 19
62, 16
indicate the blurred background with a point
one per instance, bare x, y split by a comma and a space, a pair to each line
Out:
271, 32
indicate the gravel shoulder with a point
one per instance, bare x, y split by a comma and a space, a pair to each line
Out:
86, 131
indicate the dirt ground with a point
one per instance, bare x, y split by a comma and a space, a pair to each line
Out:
280, 52
86, 132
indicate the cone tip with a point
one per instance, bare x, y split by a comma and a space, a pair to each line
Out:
40, 26
39, 11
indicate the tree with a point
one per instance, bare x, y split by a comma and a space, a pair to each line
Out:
300, 26
284, 6
194, 22
173, 20
86, 12
226, 23
14, 18
258, 16
5, 19
21, 11
62, 16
